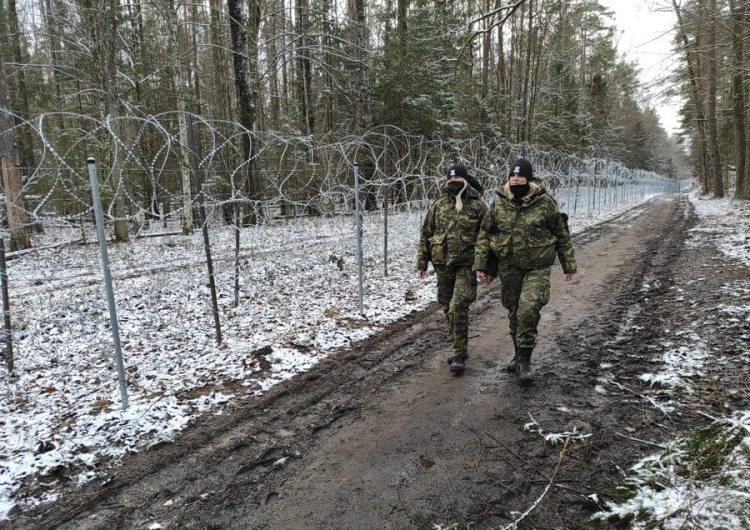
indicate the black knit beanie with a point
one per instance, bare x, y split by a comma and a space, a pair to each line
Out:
522, 167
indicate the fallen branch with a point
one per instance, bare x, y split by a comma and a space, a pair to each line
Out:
537, 502
19, 253
516, 455
653, 403
640, 441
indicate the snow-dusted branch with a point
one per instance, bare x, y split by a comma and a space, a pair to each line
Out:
538, 501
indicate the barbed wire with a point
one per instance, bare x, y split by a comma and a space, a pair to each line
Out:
286, 176
294, 186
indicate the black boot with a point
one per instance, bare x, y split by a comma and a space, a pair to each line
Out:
450, 359
512, 365
523, 369
458, 365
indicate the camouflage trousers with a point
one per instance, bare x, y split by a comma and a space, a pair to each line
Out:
457, 289
524, 293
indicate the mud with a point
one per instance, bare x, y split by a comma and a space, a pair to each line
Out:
384, 437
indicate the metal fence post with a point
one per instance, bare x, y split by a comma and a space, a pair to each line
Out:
108, 280
358, 216
385, 230
6, 309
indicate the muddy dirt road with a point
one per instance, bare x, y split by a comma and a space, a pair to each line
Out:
384, 437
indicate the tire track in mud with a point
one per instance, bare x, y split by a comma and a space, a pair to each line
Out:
657, 255
381, 436
608, 349
257, 433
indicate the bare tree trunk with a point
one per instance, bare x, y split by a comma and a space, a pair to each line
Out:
402, 9
253, 26
746, 175
221, 96
154, 202
193, 57
51, 25
539, 61
243, 89
113, 112
304, 68
692, 58
136, 26
738, 97
526, 79
486, 51
177, 59
328, 88
14, 202
584, 50
712, 128
187, 191
12, 182
705, 166
287, 66
20, 95
502, 85
745, 10
192, 85
359, 22
273, 33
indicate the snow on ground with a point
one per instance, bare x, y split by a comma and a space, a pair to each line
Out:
663, 494
61, 416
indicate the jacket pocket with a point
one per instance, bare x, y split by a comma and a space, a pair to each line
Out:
500, 245
540, 255
467, 244
438, 249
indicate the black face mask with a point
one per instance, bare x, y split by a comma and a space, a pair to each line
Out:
520, 190
455, 187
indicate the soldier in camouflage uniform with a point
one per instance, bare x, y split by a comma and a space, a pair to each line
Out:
521, 234
448, 235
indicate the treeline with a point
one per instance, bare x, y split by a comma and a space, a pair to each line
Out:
537, 71
712, 39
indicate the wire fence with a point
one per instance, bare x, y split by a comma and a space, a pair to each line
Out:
150, 176
295, 190
280, 283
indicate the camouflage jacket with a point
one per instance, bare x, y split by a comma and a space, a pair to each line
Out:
525, 234
448, 237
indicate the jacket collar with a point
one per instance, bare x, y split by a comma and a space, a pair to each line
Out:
536, 190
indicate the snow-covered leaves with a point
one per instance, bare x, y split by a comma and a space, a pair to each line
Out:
700, 481
697, 482
61, 416
556, 438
